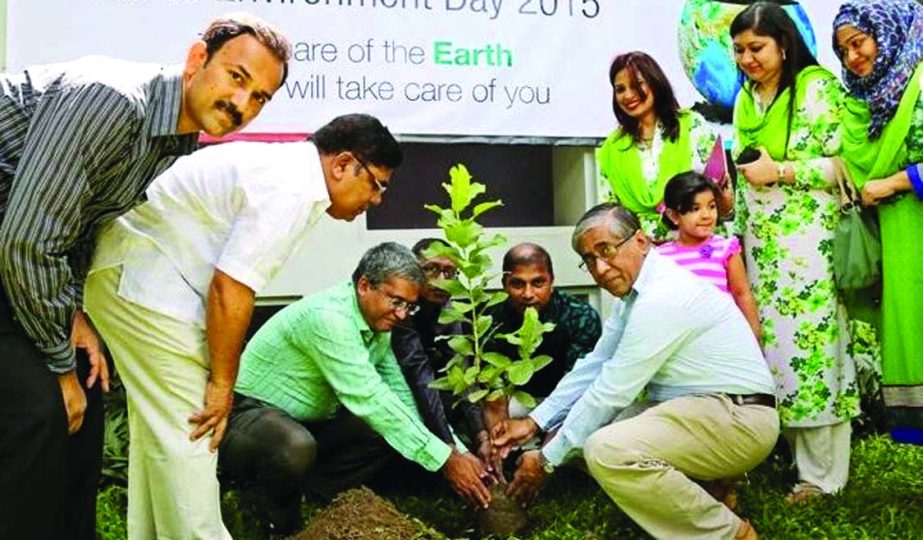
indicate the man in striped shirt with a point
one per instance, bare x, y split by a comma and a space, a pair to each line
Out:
79, 142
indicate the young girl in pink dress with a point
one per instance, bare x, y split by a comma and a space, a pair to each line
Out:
690, 202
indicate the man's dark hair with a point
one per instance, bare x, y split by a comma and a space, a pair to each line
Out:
361, 134
526, 254
387, 260
232, 25
424, 244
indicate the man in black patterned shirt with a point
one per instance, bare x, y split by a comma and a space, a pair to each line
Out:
528, 279
79, 143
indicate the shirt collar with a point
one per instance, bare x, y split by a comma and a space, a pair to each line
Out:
646, 274
367, 333
165, 95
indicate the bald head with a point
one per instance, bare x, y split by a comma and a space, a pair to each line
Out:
525, 254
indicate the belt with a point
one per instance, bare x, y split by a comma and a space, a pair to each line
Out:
766, 400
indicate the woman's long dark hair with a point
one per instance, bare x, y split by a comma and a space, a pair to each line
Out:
665, 105
768, 19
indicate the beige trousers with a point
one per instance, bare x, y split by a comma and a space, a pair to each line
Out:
646, 463
173, 493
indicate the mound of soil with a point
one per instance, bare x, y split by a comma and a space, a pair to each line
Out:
504, 517
359, 514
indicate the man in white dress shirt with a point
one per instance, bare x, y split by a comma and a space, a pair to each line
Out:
710, 413
172, 286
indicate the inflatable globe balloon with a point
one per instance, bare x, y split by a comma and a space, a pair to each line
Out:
707, 52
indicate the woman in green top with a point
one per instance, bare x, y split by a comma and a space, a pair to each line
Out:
654, 141
789, 109
881, 46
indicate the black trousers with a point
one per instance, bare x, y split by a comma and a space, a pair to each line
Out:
266, 449
48, 480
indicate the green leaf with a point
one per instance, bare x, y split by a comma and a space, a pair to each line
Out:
483, 324
442, 383
530, 333
496, 359
474, 397
464, 233
524, 397
450, 315
462, 345
520, 372
461, 306
488, 374
485, 206
461, 189
496, 394
540, 361
496, 298
471, 375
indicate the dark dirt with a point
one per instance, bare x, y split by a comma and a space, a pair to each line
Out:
504, 517
360, 514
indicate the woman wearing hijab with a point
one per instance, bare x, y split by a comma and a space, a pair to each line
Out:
789, 109
880, 44
654, 141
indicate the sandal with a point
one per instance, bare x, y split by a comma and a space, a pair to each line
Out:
803, 492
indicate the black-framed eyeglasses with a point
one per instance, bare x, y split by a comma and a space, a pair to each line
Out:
379, 185
399, 304
605, 251
434, 270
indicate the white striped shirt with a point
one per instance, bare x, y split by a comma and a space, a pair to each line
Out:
79, 142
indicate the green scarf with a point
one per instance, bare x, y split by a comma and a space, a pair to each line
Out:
871, 159
620, 160
769, 130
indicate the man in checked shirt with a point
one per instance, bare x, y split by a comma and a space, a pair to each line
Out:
79, 142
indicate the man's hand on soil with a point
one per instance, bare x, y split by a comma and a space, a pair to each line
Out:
529, 478
467, 476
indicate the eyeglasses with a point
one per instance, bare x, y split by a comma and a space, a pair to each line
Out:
399, 304
606, 251
379, 185
434, 270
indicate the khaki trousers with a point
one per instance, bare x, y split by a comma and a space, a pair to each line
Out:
173, 493
646, 463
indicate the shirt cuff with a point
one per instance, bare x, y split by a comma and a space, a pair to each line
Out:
543, 415
557, 449
60, 357
434, 455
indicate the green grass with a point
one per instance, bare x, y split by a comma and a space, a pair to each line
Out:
884, 499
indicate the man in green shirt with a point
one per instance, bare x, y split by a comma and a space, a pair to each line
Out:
320, 401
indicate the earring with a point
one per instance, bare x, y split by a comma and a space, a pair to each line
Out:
783, 55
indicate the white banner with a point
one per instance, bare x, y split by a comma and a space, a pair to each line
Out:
434, 67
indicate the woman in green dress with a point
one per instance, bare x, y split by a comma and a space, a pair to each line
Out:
789, 109
880, 44
654, 141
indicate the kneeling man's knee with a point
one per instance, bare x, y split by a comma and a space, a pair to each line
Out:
295, 455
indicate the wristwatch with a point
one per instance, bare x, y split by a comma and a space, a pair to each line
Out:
547, 466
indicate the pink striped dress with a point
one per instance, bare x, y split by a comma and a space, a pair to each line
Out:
708, 260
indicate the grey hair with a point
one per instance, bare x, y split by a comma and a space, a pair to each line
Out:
621, 222
388, 260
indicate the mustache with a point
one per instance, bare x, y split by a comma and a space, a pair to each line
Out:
231, 109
